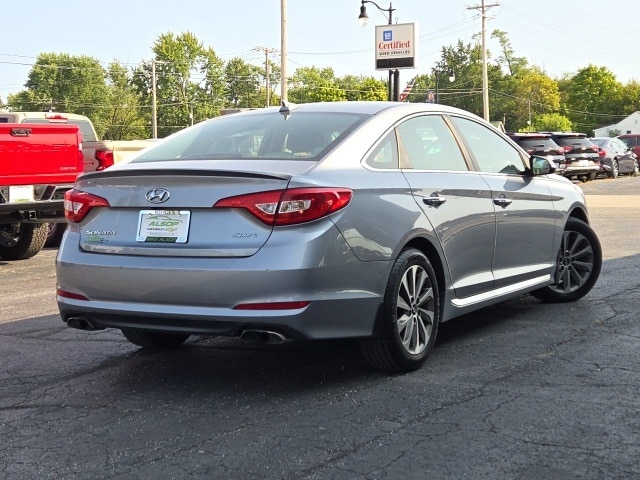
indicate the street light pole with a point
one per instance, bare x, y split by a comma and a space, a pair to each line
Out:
452, 78
394, 76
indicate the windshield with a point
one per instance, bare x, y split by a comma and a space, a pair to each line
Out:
267, 135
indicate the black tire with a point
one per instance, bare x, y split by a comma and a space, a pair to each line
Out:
154, 340
615, 169
636, 170
578, 264
54, 234
19, 241
407, 329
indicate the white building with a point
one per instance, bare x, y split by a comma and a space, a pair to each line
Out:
631, 124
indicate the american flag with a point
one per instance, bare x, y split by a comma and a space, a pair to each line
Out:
407, 90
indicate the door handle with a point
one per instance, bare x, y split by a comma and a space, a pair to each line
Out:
434, 200
503, 201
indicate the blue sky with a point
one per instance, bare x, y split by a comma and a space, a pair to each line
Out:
560, 36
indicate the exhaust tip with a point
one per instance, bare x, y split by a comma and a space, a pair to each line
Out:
263, 336
82, 324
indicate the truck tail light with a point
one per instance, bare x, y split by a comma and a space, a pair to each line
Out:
290, 206
104, 158
77, 204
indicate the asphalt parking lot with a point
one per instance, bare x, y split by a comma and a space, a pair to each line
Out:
522, 390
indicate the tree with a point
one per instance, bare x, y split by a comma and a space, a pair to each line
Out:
535, 94
123, 119
189, 82
242, 84
466, 91
514, 65
65, 83
592, 98
362, 88
550, 122
312, 84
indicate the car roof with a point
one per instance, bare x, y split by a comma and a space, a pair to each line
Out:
567, 134
363, 107
528, 135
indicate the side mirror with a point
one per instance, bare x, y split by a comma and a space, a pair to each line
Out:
541, 165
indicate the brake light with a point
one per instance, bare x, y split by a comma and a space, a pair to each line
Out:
104, 158
77, 204
290, 206
55, 116
602, 152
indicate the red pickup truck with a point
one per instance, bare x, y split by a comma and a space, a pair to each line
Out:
38, 164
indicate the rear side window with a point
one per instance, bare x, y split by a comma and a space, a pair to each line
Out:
426, 143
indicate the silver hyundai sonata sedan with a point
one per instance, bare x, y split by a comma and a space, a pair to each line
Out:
371, 220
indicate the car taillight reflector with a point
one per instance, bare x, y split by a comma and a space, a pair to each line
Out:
104, 158
272, 306
291, 206
66, 294
77, 204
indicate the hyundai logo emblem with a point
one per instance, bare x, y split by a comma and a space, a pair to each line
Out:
158, 195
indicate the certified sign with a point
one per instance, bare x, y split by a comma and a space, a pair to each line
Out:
396, 46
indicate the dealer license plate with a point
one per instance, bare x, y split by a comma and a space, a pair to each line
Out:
20, 193
163, 226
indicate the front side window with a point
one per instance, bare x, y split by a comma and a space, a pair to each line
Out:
492, 153
426, 143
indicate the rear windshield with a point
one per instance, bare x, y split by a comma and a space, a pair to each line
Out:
267, 135
540, 143
583, 141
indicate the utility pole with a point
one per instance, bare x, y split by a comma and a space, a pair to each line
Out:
154, 103
266, 52
283, 51
485, 77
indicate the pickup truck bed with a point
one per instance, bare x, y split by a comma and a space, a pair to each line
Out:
38, 164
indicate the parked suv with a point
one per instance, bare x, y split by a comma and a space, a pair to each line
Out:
541, 145
580, 153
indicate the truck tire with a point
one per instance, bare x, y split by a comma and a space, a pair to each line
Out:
54, 234
19, 241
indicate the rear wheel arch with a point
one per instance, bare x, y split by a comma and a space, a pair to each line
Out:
432, 254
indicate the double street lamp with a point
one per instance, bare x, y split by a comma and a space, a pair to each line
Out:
394, 75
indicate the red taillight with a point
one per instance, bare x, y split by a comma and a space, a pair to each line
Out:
602, 152
289, 207
77, 204
272, 306
104, 158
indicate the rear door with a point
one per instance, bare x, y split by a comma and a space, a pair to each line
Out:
456, 200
